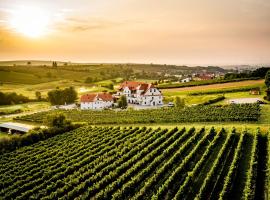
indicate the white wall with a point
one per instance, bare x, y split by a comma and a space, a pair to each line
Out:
96, 105
152, 97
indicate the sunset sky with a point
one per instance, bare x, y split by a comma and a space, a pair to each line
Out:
192, 32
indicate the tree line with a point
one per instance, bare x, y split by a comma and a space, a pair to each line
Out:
12, 98
257, 73
62, 96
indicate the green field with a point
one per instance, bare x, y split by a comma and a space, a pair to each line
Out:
215, 89
139, 163
226, 113
32, 106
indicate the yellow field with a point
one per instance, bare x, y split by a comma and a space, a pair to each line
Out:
217, 86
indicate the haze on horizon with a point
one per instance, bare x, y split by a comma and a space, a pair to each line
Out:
173, 32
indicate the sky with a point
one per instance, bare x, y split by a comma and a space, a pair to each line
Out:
183, 32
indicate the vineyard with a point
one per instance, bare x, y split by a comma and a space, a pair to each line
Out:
139, 163
226, 113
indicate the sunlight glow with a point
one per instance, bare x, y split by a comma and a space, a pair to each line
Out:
30, 21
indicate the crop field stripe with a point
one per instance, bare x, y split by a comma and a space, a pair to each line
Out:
228, 113
224, 168
249, 191
24, 158
41, 172
78, 161
112, 181
207, 181
232, 170
183, 190
262, 167
198, 181
91, 168
22, 154
68, 158
108, 165
167, 189
129, 188
122, 163
110, 149
35, 162
140, 163
241, 173
267, 185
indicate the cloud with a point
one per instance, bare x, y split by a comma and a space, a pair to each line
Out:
78, 24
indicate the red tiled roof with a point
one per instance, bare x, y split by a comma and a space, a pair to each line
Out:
88, 97
92, 97
144, 86
132, 85
105, 96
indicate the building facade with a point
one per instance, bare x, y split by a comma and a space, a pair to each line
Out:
141, 93
96, 101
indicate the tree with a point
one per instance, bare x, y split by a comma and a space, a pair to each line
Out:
61, 97
178, 102
54, 64
89, 80
267, 83
122, 102
267, 79
70, 95
110, 86
38, 95
56, 120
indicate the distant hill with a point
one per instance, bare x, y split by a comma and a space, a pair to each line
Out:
37, 71
30, 62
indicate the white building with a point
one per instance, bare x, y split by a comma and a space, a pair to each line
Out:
96, 101
186, 80
141, 93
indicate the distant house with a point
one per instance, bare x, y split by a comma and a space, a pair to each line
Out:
204, 77
140, 93
255, 91
186, 80
96, 101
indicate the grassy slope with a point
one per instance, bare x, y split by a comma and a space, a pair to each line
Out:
25, 107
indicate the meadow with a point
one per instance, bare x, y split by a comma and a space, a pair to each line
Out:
26, 107
139, 163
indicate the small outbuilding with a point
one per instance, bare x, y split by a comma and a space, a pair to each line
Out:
11, 127
255, 91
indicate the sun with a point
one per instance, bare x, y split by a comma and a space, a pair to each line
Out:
30, 21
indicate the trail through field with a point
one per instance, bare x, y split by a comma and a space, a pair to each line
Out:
218, 86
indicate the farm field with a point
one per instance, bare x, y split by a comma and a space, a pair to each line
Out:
219, 86
208, 92
44, 88
226, 113
32, 106
139, 162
